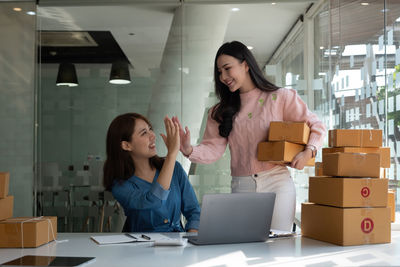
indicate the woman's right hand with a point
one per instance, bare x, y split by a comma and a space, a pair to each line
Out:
186, 148
171, 140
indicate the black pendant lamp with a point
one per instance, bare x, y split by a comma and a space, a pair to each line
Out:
120, 73
67, 75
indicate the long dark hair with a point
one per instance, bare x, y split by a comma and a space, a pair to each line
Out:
119, 164
229, 104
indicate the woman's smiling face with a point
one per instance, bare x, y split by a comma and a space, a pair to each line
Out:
143, 140
232, 72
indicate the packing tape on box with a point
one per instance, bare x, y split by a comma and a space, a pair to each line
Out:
366, 200
361, 156
365, 213
362, 136
369, 238
18, 220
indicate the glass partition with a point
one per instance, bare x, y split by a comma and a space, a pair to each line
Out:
357, 62
17, 100
392, 67
73, 121
340, 56
354, 72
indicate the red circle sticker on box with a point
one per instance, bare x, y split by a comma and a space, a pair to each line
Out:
365, 191
367, 225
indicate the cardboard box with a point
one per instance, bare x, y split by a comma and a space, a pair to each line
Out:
348, 192
295, 132
280, 152
36, 231
351, 165
4, 184
383, 151
355, 138
318, 169
345, 226
6, 207
392, 204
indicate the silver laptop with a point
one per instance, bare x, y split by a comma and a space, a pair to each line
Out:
234, 218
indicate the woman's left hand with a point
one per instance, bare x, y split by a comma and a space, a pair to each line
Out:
301, 159
171, 140
192, 231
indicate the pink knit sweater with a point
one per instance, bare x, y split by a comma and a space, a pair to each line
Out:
250, 127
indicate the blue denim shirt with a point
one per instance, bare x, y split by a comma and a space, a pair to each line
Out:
150, 208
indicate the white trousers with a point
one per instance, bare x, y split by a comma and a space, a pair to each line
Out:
275, 180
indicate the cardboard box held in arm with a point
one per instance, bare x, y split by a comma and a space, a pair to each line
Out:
348, 192
345, 226
392, 204
351, 165
6, 208
384, 152
355, 138
26, 232
4, 184
295, 132
280, 152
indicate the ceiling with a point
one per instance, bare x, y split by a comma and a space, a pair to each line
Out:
79, 47
141, 28
140, 31
348, 17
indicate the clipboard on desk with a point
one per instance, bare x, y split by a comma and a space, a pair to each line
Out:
120, 239
128, 238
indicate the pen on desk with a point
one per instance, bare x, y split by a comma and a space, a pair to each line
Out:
131, 236
146, 237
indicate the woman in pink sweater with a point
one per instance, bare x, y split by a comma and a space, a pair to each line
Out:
248, 103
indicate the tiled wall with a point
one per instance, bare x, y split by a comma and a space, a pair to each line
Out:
74, 120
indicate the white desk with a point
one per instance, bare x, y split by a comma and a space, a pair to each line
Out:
296, 251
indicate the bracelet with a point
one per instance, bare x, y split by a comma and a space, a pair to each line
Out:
313, 150
187, 156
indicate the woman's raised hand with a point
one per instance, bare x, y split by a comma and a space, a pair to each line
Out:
171, 139
186, 148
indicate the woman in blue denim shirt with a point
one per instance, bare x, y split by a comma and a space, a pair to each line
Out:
153, 191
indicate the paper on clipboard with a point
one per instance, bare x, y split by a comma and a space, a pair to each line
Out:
112, 239
129, 238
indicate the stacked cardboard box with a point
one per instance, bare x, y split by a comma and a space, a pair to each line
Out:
348, 206
318, 169
392, 204
6, 201
25, 231
285, 141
